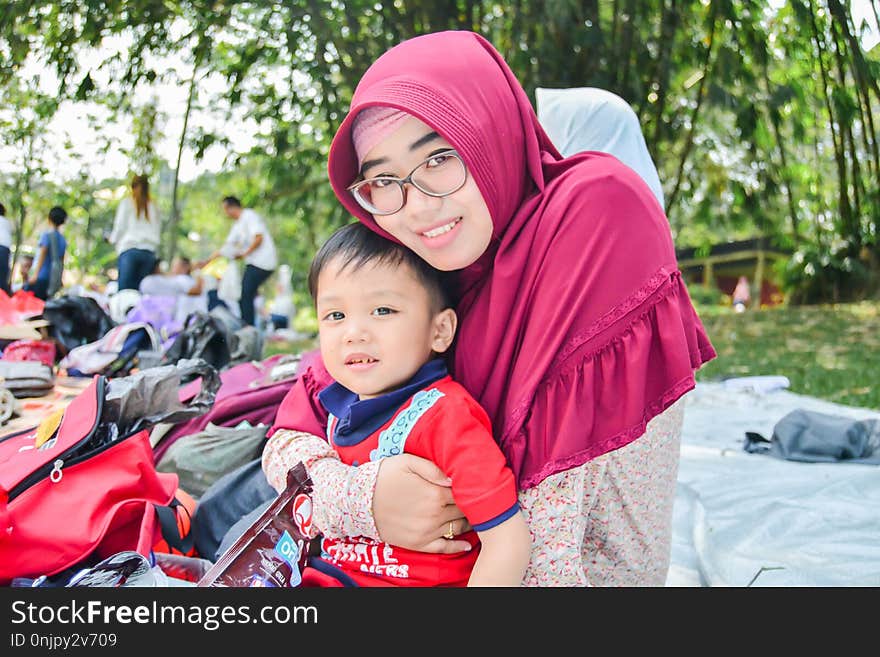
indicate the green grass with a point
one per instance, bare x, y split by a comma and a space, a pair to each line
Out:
831, 352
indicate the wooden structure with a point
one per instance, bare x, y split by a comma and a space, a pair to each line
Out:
725, 263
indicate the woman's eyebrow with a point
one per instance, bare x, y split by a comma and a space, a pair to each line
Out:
372, 163
431, 136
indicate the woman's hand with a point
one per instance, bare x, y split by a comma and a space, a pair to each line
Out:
413, 506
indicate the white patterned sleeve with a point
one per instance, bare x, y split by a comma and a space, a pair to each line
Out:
342, 499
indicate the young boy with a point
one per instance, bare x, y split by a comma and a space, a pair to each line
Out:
41, 272
383, 322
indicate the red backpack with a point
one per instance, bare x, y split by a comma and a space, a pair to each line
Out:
77, 492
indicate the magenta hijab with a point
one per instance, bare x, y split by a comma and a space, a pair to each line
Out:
575, 326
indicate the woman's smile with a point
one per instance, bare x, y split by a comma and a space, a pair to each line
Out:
438, 238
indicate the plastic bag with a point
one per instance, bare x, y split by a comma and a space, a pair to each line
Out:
76, 320
152, 396
203, 336
229, 286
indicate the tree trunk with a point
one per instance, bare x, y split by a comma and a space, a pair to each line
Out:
171, 229
701, 92
783, 159
668, 28
845, 209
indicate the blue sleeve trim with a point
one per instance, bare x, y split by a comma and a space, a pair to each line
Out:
497, 520
329, 569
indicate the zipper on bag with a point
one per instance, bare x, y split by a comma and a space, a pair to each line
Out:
68, 457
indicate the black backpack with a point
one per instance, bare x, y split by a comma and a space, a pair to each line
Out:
203, 336
76, 320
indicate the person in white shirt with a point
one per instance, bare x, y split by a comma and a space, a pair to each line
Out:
248, 240
180, 284
5, 249
135, 235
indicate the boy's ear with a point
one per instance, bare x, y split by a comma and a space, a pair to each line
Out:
443, 330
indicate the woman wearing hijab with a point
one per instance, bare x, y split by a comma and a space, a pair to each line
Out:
591, 119
577, 333
135, 235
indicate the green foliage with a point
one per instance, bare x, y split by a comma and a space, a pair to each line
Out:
814, 275
705, 295
761, 122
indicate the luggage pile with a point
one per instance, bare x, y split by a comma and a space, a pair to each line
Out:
163, 419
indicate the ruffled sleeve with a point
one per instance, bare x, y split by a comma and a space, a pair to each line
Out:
648, 348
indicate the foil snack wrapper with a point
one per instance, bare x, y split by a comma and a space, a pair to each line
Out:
273, 551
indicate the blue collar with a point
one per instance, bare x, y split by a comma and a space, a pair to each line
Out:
358, 419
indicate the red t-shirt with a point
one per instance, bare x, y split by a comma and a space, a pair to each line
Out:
444, 424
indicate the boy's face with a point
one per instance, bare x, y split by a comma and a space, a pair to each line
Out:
377, 327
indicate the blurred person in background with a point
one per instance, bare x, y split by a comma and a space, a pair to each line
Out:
5, 246
135, 234
42, 274
248, 240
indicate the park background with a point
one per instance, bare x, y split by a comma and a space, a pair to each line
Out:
762, 117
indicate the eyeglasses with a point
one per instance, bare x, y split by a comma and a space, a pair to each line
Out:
439, 175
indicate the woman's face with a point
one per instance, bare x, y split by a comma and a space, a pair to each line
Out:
450, 232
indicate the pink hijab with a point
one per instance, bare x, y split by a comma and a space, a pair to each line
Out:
576, 328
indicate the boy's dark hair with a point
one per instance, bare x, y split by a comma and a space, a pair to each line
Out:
232, 200
57, 215
357, 245
2, 210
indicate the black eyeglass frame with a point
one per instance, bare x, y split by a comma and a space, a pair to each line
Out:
400, 182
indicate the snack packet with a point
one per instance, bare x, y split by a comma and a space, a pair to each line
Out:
272, 552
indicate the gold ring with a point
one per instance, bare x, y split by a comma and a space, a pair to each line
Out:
450, 534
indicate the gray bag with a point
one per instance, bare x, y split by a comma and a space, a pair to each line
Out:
202, 458
819, 438
27, 378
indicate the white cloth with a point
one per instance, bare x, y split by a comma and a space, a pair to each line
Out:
590, 119
131, 231
167, 286
229, 285
282, 304
248, 225
5, 232
745, 519
121, 303
177, 287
